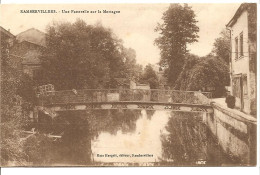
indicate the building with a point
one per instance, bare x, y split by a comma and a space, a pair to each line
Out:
140, 86
120, 83
28, 47
7, 41
243, 34
23, 51
124, 83
7, 38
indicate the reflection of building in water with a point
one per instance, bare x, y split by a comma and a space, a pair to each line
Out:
243, 57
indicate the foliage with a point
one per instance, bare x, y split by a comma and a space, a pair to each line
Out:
16, 96
184, 79
132, 69
84, 56
199, 73
149, 76
11, 147
40, 149
178, 29
221, 46
13, 117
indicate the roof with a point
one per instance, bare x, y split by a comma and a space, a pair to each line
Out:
6, 32
32, 35
239, 11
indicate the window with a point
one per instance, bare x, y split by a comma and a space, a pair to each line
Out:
236, 48
241, 44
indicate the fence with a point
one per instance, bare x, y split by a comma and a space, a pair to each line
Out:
124, 95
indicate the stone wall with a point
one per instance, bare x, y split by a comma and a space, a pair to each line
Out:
236, 133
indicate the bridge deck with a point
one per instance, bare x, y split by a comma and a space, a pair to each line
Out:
127, 99
129, 102
131, 105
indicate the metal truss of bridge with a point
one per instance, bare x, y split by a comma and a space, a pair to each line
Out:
154, 99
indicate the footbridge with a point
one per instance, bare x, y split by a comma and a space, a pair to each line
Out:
150, 99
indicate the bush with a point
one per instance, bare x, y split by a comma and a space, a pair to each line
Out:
231, 101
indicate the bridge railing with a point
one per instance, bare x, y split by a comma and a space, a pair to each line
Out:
120, 95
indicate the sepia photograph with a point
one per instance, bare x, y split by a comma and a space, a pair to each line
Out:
129, 85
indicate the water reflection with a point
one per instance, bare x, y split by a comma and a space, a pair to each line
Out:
112, 120
131, 137
186, 141
163, 138
144, 140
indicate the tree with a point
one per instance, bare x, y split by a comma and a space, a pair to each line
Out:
177, 31
13, 117
149, 76
199, 73
221, 46
16, 94
183, 81
82, 56
132, 70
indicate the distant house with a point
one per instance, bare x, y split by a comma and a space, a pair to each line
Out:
28, 47
35, 37
121, 83
7, 41
124, 83
142, 86
7, 38
243, 57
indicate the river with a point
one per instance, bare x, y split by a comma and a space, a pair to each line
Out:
135, 138
160, 138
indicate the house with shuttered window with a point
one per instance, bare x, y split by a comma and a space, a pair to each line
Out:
243, 57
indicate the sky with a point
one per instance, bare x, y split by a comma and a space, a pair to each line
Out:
134, 24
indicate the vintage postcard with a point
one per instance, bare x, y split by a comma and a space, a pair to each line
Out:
90, 85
